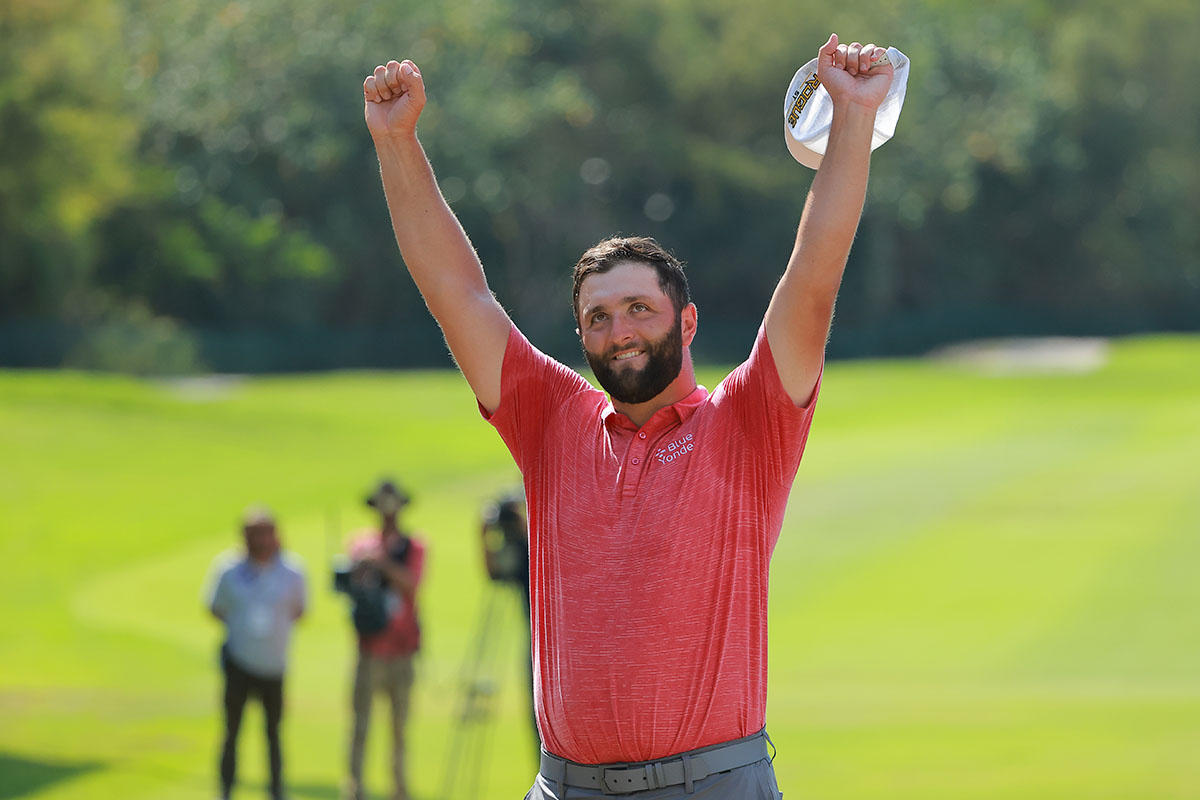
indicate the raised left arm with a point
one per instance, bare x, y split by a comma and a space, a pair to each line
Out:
801, 310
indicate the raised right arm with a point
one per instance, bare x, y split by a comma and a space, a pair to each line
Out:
435, 248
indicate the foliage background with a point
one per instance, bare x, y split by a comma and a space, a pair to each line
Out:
189, 186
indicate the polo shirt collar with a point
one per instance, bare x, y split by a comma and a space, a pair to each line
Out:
675, 414
258, 568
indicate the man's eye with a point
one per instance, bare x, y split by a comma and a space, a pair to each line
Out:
599, 318
640, 307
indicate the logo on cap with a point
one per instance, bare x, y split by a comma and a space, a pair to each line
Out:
800, 97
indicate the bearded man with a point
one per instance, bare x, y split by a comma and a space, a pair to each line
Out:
653, 512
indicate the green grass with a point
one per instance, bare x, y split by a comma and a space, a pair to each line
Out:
984, 588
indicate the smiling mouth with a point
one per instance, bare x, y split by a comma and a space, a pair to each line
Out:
630, 354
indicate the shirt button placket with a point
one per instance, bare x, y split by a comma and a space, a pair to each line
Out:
639, 449
641, 443
637, 455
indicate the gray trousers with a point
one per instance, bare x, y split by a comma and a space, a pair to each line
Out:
393, 677
752, 782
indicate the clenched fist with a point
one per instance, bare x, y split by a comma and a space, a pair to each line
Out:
847, 74
394, 96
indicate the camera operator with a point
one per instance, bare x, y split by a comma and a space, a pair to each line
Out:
258, 597
505, 538
384, 574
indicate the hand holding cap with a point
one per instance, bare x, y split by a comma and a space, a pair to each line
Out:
808, 109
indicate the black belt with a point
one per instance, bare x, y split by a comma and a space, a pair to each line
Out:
684, 768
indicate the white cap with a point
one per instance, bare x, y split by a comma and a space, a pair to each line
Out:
808, 110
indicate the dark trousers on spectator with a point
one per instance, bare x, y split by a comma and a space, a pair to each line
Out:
240, 686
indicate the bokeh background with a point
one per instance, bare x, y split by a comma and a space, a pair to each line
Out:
984, 587
188, 185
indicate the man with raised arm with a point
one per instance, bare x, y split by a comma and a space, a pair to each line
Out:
652, 514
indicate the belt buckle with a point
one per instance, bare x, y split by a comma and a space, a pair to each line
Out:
607, 789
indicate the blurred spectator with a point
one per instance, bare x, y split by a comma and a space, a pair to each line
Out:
386, 564
257, 596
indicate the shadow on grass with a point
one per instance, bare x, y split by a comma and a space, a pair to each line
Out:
313, 791
19, 776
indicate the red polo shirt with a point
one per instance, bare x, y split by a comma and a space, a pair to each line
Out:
649, 553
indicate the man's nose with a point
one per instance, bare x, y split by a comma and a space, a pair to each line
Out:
622, 330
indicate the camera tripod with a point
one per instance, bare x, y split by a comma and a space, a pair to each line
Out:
502, 619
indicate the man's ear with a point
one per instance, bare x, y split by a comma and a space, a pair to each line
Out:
687, 323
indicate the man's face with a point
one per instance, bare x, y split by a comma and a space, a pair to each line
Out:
261, 541
630, 331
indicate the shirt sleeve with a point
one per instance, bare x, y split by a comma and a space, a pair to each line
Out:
756, 398
416, 562
220, 600
300, 593
532, 387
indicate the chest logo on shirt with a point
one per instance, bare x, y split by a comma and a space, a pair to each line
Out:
676, 449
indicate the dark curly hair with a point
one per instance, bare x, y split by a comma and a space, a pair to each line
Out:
607, 254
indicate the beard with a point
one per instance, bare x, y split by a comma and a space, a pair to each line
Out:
664, 359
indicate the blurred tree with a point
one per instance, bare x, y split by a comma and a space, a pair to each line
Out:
66, 148
1044, 176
